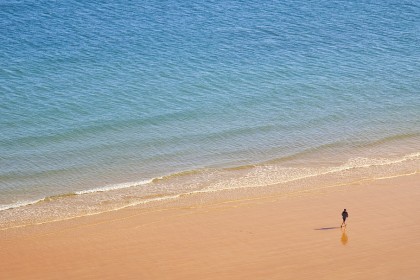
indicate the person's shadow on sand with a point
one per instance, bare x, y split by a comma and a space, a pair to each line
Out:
344, 237
327, 228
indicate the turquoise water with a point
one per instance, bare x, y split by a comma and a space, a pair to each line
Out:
105, 95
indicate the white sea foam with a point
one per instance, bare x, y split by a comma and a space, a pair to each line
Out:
116, 187
266, 175
19, 204
24, 203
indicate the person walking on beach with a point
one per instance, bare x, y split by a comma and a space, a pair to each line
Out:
345, 216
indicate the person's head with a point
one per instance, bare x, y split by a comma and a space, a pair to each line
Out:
345, 210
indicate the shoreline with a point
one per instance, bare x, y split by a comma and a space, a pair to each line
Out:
246, 180
292, 236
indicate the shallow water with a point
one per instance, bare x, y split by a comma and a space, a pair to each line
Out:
107, 96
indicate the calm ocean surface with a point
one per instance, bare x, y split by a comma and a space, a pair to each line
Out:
161, 98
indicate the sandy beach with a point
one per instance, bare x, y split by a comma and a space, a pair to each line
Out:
295, 236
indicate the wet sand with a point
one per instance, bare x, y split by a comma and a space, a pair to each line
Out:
294, 236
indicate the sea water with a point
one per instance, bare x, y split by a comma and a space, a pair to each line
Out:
107, 104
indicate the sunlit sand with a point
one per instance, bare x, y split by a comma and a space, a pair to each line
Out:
276, 237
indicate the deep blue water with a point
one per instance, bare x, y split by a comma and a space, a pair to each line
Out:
107, 92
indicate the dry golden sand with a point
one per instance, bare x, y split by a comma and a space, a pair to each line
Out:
284, 237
